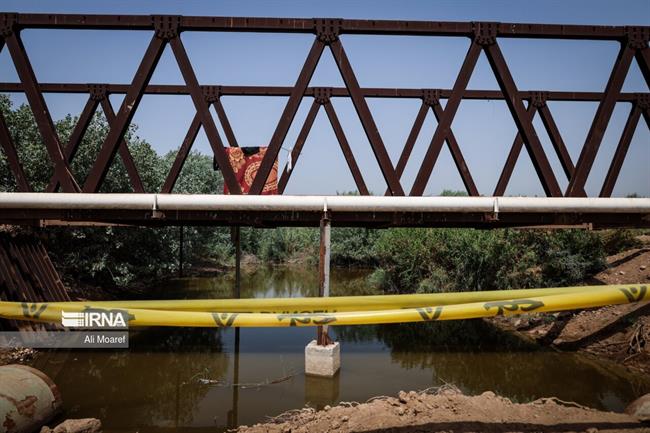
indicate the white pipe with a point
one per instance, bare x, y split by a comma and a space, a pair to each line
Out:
60, 200
191, 202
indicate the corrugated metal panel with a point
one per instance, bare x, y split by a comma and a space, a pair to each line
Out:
27, 275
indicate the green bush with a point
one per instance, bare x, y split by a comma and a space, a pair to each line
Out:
285, 244
570, 256
353, 246
439, 260
616, 241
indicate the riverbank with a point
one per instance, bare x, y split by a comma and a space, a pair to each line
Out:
16, 356
620, 333
447, 410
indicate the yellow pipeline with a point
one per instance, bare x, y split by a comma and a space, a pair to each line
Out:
568, 300
324, 305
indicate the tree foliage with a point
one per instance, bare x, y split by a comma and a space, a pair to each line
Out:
407, 260
431, 260
115, 255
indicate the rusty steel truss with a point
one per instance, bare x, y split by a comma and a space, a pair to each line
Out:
484, 37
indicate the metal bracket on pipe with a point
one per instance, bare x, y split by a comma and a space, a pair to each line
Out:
155, 213
494, 216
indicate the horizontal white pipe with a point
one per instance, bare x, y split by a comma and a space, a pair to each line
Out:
60, 200
198, 202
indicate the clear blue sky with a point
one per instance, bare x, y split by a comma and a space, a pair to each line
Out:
484, 129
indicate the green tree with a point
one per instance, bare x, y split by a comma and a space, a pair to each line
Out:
114, 255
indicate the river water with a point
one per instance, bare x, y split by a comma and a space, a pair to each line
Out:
157, 383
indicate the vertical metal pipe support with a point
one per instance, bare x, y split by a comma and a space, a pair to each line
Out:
233, 414
236, 239
181, 233
324, 269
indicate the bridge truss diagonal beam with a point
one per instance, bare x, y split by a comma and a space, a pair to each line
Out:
39, 109
182, 154
76, 136
484, 37
345, 147
298, 145
367, 121
431, 100
639, 108
457, 155
123, 149
287, 116
207, 120
536, 104
125, 114
512, 158
15, 166
556, 140
599, 124
523, 122
444, 124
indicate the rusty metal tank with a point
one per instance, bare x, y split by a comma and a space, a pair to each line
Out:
28, 399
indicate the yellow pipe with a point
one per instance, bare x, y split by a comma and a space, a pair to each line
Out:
605, 295
324, 305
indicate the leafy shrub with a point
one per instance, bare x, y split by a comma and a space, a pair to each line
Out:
439, 260
353, 246
285, 244
570, 256
616, 241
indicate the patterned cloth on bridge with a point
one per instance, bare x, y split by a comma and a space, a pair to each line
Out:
245, 161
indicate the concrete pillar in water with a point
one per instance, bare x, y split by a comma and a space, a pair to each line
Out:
322, 361
323, 356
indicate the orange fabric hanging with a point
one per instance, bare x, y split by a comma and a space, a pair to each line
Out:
246, 166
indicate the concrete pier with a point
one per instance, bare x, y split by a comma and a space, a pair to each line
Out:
323, 361
323, 356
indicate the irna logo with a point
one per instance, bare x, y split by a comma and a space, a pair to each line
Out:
97, 319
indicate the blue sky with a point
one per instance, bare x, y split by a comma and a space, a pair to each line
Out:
484, 129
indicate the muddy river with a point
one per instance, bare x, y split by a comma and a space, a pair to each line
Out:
173, 378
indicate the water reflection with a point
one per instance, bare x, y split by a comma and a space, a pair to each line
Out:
152, 383
270, 282
155, 383
476, 357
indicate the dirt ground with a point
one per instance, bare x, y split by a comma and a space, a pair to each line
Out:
620, 333
448, 410
16, 356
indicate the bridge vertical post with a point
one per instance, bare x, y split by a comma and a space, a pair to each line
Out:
324, 271
236, 239
233, 413
323, 356
181, 231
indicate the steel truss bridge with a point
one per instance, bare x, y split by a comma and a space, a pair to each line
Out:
523, 105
